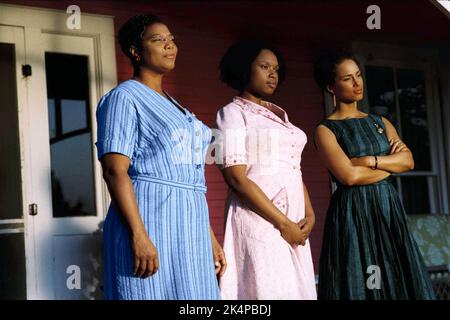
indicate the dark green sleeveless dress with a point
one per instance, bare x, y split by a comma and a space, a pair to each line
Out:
368, 252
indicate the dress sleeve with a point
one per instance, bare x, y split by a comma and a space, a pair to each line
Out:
231, 124
116, 125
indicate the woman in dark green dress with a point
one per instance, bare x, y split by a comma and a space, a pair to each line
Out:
367, 251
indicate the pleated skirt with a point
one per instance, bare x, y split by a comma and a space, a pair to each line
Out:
368, 253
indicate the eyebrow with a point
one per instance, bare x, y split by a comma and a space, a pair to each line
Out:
264, 61
348, 75
160, 34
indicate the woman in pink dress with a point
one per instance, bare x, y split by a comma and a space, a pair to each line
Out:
268, 210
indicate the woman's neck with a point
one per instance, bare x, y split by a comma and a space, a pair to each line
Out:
251, 97
347, 110
151, 79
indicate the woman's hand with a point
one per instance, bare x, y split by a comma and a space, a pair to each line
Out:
306, 225
146, 261
290, 231
220, 263
397, 146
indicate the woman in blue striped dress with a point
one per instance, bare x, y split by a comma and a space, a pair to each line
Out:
158, 243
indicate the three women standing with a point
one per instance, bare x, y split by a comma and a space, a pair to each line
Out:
157, 239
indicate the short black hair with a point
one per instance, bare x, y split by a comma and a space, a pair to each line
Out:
130, 34
326, 64
235, 65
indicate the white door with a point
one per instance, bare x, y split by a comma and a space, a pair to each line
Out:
50, 186
70, 211
52, 199
16, 229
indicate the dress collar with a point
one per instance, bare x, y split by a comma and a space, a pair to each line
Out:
264, 111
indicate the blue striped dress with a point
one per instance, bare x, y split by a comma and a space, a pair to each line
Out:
167, 149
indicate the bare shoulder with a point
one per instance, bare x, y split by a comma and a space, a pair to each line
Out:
322, 128
323, 133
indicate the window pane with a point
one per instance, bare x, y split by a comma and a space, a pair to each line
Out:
10, 170
12, 267
73, 114
413, 108
415, 194
381, 92
71, 145
72, 187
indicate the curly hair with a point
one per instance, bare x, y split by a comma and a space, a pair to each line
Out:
326, 64
130, 34
235, 65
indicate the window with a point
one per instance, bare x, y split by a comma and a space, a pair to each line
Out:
70, 135
402, 95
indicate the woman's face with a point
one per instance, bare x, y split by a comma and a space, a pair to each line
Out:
263, 74
349, 84
159, 50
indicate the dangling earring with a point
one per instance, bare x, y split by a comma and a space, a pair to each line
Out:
334, 101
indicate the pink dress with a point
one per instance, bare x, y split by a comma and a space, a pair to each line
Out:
261, 264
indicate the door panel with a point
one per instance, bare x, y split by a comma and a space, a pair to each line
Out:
13, 282
75, 216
